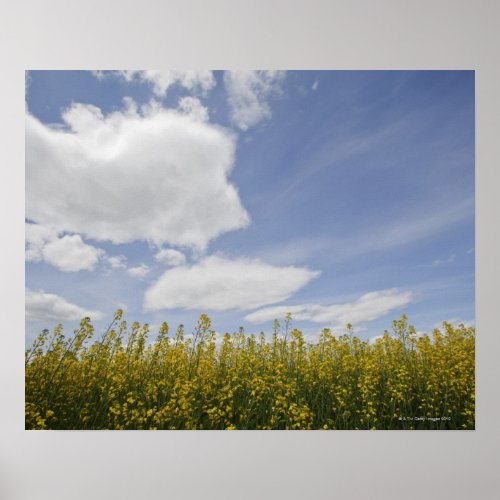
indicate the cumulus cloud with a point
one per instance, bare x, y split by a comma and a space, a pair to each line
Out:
117, 261
368, 307
69, 253
138, 272
36, 237
218, 284
156, 174
248, 93
170, 257
161, 81
41, 306
194, 108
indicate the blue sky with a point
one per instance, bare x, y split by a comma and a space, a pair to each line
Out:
342, 196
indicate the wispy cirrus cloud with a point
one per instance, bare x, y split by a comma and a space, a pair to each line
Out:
398, 231
442, 262
413, 227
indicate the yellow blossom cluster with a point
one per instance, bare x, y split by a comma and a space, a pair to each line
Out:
125, 381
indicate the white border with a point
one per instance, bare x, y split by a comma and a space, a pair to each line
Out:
288, 34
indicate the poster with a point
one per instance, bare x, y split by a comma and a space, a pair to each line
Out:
250, 250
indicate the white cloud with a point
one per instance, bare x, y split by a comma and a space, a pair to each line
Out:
41, 306
157, 175
138, 272
219, 284
197, 81
101, 74
368, 307
36, 237
69, 253
248, 93
193, 107
170, 257
117, 261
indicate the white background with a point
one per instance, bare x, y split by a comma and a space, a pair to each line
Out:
257, 34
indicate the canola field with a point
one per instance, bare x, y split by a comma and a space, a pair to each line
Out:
125, 380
